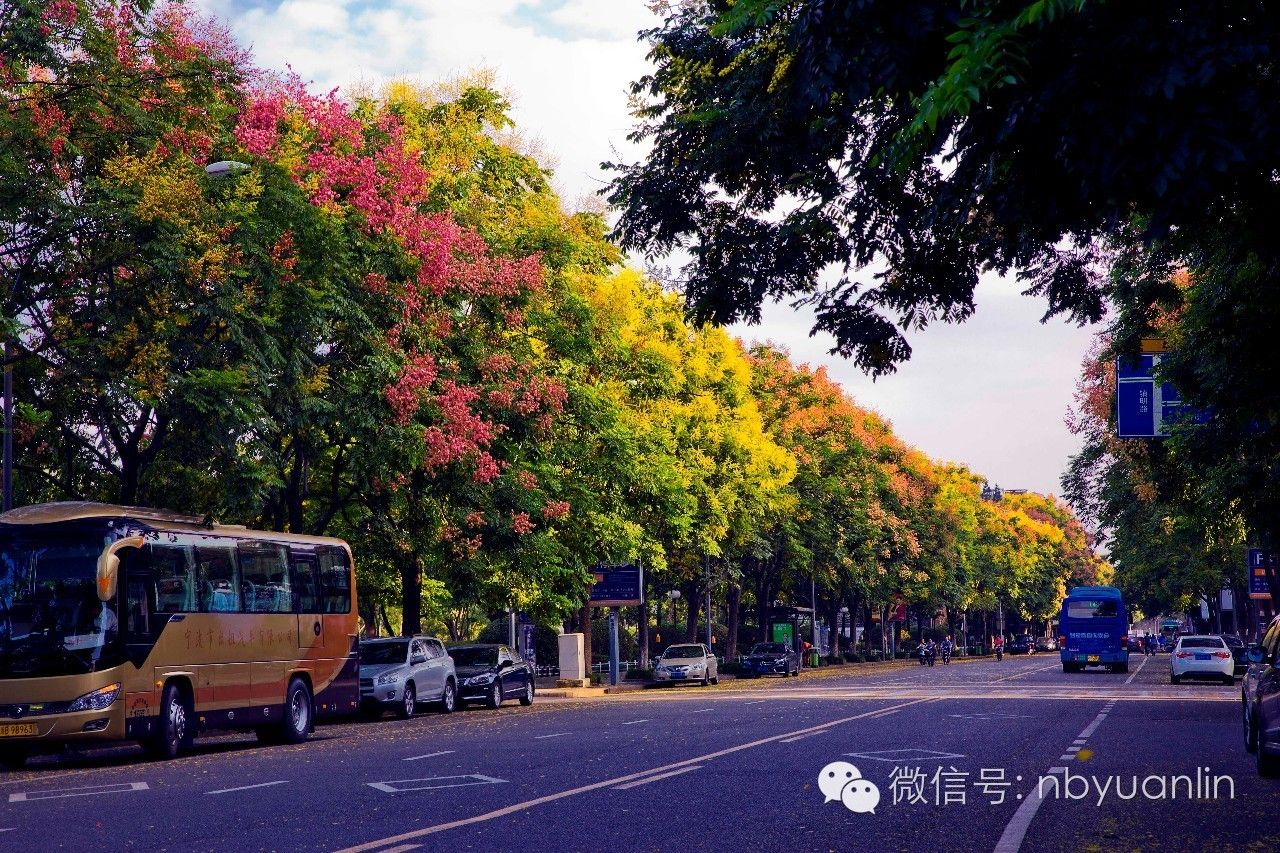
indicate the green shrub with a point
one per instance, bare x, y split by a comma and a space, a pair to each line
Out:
639, 675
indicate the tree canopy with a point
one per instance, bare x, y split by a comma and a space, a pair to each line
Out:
871, 159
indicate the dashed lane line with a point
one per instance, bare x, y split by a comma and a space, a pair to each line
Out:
557, 734
1015, 832
429, 755
634, 722
607, 783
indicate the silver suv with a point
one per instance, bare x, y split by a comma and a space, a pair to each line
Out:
401, 672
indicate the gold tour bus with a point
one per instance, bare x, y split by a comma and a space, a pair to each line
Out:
125, 623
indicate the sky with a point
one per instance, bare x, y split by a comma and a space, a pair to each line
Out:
991, 393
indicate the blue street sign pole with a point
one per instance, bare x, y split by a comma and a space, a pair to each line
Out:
613, 646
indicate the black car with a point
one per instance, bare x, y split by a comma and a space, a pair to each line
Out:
491, 674
772, 659
1239, 653
1022, 645
1260, 695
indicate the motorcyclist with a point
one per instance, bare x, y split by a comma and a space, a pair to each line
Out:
922, 652
946, 650
998, 645
933, 651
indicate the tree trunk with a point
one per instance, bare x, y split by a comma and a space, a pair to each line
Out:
369, 615
386, 622
833, 622
692, 598
411, 597
733, 600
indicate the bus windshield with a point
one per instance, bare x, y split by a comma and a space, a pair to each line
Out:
1093, 608
51, 621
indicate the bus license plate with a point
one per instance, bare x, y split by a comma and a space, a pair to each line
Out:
1092, 659
18, 730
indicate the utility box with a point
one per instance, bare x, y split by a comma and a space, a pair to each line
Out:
573, 663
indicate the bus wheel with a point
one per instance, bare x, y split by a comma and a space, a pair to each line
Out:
176, 732
14, 757
297, 712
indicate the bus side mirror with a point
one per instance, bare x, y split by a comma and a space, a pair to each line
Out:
109, 565
1255, 653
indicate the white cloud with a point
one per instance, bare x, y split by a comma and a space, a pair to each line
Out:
566, 64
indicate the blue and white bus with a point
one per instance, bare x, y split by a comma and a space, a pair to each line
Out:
1094, 629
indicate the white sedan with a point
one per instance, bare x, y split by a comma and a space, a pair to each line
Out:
1201, 656
687, 662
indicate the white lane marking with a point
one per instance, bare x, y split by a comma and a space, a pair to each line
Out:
703, 711
557, 734
635, 722
1078, 741
435, 782
1016, 830
660, 776
595, 786
247, 787
758, 702
401, 849
801, 737
1024, 672
429, 755
1092, 727
9, 829
83, 791
1073, 748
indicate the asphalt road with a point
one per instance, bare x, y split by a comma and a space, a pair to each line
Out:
973, 756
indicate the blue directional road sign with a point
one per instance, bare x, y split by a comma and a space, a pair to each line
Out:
1259, 560
617, 585
1145, 407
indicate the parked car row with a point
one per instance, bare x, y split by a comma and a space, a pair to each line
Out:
403, 673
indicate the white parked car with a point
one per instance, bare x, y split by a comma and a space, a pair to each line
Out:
1201, 656
687, 662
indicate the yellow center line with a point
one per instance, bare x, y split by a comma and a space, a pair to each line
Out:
617, 780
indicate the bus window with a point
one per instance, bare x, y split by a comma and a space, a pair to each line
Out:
137, 622
305, 585
1092, 608
264, 578
173, 571
335, 580
219, 585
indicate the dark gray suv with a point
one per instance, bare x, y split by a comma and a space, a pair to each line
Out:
1260, 695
